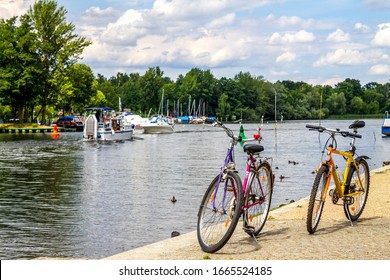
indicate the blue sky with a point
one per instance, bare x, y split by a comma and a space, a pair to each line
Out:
318, 42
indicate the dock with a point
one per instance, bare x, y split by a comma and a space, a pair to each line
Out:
26, 130
17, 130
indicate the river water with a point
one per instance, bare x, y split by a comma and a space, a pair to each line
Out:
67, 198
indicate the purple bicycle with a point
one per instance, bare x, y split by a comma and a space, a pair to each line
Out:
228, 198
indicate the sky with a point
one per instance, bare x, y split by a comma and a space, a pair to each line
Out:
317, 42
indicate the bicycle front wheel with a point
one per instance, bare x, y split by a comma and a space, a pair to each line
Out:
317, 199
219, 212
257, 201
354, 208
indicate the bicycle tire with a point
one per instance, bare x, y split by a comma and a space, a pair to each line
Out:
316, 203
215, 227
260, 190
355, 209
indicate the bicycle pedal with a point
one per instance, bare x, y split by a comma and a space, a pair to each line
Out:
335, 196
349, 200
249, 229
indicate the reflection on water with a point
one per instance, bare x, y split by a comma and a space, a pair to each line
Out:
67, 198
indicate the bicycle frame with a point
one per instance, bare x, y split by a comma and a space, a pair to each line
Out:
251, 165
228, 165
350, 187
340, 185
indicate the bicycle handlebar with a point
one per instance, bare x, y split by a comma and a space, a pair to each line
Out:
333, 131
229, 132
255, 138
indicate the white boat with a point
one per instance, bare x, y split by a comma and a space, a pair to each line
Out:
103, 124
386, 125
135, 119
158, 124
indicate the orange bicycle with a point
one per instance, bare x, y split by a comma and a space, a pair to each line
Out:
352, 188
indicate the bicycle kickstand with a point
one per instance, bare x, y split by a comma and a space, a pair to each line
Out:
349, 219
250, 230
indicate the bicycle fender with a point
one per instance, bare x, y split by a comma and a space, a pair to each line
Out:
319, 167
362, 157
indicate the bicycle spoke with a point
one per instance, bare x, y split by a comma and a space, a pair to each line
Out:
359, 183
219, 213
317, 199
258, 200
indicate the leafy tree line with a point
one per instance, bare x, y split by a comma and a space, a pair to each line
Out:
38, 55
40, 75
244, 96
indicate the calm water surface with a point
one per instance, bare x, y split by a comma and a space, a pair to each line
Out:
67, 198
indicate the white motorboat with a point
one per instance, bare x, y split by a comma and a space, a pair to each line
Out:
135, 119
103, 124
158, 124
386, 125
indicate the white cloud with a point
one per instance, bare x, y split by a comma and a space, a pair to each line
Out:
230, 35
382, 36
203, 8
346, 56
10, 8
279, 73
361, 27
222, 21
333, 81
301, 36
286, 57
127, 29
377, 4
97, 16
290, 21
338, 36
380, 69
160, 36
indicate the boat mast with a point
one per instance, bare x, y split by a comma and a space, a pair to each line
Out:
161, 104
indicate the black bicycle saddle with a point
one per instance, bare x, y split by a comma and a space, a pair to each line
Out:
253, 148
357, 124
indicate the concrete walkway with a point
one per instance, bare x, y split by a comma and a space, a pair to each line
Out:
285, 237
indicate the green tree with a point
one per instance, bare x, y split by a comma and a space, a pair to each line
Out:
81, 78
350, 88
199, 88
223, 107
337, 104
357, 105
57, 45
132, 94
19, 66
151, 85
108, 90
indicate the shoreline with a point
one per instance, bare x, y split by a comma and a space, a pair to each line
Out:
284, 236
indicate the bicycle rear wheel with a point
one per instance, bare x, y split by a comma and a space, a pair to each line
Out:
258, 199
219, 212
317, 199
353, 209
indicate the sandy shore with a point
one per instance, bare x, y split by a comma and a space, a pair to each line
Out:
285, 237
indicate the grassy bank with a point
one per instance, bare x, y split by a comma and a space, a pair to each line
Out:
356, 117
22, 125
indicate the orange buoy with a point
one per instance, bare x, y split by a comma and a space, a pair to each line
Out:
55, 134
